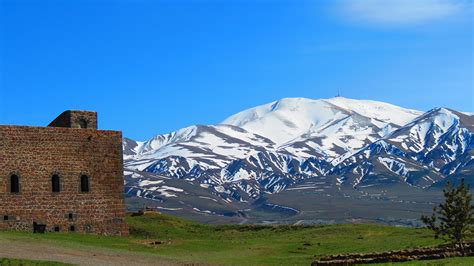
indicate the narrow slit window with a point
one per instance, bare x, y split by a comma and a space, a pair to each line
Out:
84, 183
55, 183
14, 184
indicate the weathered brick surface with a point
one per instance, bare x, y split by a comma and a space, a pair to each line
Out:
36, 153
72, 119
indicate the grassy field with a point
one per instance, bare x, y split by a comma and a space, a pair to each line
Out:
179, 240
14, 262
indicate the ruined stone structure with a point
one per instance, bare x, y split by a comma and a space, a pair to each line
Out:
415, 254
67, 176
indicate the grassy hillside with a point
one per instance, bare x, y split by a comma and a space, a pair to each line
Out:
179, 240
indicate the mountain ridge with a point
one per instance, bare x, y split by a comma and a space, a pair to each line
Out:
343, 143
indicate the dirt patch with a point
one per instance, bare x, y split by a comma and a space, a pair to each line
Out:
80, 256
154, 243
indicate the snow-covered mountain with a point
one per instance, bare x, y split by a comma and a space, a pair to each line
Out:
207, 147
327, 128
352, 143
433, 146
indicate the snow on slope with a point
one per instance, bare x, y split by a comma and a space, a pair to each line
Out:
297, 116
299, 127
425, 132
327, 128
381, 113
339, 137
291, 116
438, 137
436, 143
210, 146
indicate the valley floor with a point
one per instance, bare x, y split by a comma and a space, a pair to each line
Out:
164, 240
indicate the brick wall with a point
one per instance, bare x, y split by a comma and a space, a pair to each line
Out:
36, 153
73, 119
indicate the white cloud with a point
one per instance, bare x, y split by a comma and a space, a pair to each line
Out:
401, 12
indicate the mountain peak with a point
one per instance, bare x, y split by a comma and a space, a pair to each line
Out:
295, 117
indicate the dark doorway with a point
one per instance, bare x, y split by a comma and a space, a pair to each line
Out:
39, 228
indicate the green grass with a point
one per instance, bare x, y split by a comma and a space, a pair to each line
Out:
185, 241
15, 262
271, 244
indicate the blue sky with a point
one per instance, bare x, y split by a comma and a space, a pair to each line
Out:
151, 67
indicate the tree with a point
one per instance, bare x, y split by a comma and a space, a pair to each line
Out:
452, 220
